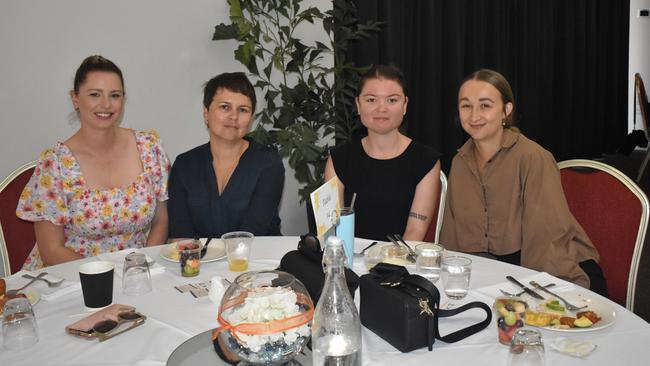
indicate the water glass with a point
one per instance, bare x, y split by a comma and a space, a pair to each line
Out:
527, 349
456, 272
136, 279
19, 327
427, 264
238, 249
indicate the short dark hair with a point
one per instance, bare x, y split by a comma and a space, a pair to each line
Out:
95, 63
388, 72
501, 84
233, 81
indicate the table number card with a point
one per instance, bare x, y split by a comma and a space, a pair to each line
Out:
325, 201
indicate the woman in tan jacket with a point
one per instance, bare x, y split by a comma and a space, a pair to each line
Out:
505, 197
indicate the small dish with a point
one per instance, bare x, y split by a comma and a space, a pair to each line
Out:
216, 251
387, 253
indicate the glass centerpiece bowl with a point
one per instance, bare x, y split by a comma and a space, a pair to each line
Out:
265, 317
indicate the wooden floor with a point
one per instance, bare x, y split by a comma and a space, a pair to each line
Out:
630, 166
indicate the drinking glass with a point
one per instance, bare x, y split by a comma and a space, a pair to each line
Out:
190, 257
456, 272
19, 327
510, 313
527, 349
238, 249
427, 264
345, 231
136, 279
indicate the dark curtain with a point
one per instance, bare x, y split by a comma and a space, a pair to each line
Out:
567, 61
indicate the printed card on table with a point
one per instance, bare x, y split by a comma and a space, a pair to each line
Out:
325, 201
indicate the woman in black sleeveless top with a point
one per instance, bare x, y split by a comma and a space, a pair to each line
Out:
395, 178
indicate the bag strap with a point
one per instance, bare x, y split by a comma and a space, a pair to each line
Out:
419, 282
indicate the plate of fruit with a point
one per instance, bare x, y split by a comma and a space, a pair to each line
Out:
553, 315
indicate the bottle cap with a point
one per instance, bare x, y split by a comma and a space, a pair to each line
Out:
334, 241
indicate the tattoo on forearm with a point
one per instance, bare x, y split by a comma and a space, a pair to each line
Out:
418, 216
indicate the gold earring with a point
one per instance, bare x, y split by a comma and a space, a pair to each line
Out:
503, 123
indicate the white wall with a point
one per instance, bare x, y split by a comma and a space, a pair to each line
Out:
639, 57
163, 47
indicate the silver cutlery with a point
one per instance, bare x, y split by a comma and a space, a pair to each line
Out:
14, 292
363, 251
567, 304
49, 282
204, 250
522, 292
412, 254
409, 257
526, 289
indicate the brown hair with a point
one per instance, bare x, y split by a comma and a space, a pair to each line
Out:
95, 63
501, 84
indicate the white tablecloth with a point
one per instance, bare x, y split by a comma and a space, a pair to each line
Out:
174, 317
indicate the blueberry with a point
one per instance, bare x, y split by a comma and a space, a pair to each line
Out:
519, 323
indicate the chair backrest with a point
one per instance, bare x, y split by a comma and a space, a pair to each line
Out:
17, 236
643, 100
433, 233
614, 211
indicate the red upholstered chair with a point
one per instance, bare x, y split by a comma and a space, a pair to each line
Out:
613, 210
433, 234
17, 236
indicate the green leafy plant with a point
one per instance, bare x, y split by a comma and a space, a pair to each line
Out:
308, 100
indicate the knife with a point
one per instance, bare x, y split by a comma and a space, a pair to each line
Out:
523, 287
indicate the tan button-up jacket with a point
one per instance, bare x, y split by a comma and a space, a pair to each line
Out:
517, 204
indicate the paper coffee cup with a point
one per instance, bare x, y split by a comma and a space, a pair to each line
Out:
97, 284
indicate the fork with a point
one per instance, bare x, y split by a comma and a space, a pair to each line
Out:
49, 283
567, 304
522, 292
15, 291
360, 254
412, 254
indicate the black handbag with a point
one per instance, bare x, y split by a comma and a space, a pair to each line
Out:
403, 309
306, 264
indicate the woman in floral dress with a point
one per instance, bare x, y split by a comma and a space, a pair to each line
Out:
104, 188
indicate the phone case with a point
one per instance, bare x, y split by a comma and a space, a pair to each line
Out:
84, 327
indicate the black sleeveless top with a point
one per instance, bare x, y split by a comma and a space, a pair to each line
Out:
384, 188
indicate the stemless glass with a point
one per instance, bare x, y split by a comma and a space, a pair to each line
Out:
19, 327
527, 349
136, 279
428, 261
456, 273
238, 249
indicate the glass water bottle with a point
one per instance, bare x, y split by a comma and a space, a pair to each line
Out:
336, 328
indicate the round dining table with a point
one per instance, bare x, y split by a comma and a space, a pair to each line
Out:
174, 317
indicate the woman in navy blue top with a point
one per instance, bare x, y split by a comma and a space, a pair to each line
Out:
231, 183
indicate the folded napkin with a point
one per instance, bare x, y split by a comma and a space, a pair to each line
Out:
572, 347
46, 292
542, 278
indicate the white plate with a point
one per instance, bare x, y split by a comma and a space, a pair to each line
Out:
32, 295
216, 251
600, 307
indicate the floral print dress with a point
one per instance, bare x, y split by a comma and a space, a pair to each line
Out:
95, 220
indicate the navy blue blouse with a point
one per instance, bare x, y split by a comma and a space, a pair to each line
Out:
249, 201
